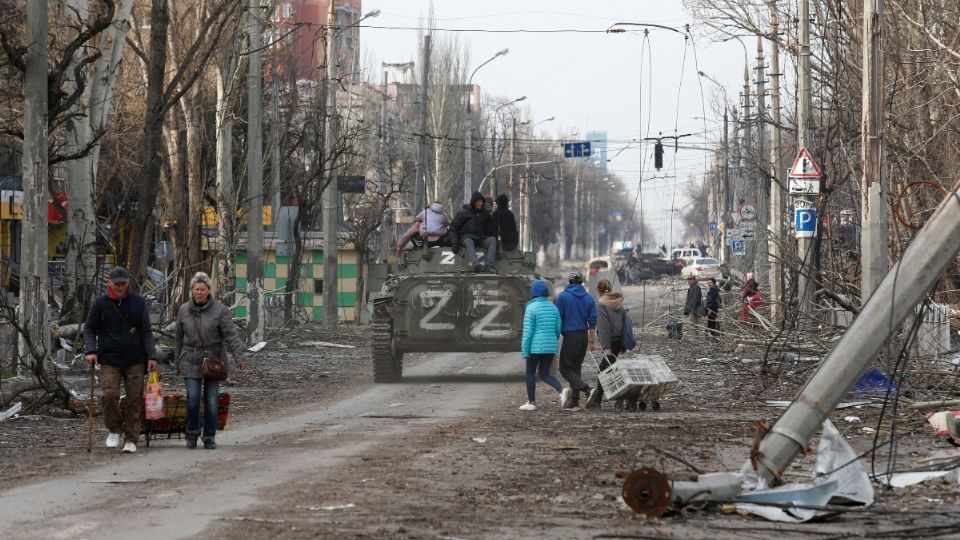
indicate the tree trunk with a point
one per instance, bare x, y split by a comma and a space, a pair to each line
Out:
33, 325
227, 200
92, 109
293, 275
140, 224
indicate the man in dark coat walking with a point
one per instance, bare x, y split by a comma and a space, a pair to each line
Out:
506, 224
473, 225
694, 308
713, 310
117, 335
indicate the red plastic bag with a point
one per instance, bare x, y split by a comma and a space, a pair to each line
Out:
153, 397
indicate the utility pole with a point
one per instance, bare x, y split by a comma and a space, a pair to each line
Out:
331, 194
513, 159
276, 134
761, 253
805, 245
255, 312
575, 250
382, 172
874, 189
468, 153
777, 189
744, 173
420, 176
562, 253
33, 262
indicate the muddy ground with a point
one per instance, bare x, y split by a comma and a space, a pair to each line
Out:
314, 449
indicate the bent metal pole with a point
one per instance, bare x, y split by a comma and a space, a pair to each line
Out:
904, 286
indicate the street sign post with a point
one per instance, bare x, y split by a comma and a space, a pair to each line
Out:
576, 149
804, 175
738, 247
805, 222
748, 212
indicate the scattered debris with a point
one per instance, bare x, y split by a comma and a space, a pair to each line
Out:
926, 405
783, 404
851, 419
945, 423
326, 344
14, 410
254, 519
564, 447
872, 383
327, 508
838, 476
904, 479
257, 347
479, 440
868, 430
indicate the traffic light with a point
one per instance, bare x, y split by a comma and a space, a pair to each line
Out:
658, 156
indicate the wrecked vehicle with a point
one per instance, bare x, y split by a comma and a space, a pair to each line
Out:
436, 303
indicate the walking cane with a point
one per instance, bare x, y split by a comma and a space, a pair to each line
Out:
93, 376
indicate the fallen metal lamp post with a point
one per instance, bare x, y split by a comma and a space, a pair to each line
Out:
904, 286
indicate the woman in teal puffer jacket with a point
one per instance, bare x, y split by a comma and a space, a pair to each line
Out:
541, 330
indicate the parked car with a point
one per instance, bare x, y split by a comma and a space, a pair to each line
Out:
702, 268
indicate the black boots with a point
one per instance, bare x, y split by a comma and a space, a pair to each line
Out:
209, 444
191, 440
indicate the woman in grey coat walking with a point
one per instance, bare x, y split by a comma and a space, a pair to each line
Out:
204, 328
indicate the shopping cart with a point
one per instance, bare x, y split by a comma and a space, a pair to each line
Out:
643, 377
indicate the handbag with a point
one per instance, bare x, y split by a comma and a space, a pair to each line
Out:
212, 366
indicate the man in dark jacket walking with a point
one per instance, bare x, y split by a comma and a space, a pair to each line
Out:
578, 316
117, 335
694, 308
713, 309
473, 225
506, 224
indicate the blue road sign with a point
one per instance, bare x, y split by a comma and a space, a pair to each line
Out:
805, 222
576, 149
738, 247
713, 225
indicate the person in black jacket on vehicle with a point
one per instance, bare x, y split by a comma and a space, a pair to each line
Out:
472, 226
117, 335
506, 224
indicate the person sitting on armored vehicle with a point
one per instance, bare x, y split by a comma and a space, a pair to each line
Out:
506, 224
430, 227
474, 225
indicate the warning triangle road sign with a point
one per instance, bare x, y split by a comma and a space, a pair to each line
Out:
804, 166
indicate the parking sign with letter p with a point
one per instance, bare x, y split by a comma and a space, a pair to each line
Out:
805, 222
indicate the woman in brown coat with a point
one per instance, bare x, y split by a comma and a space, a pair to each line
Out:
204, 328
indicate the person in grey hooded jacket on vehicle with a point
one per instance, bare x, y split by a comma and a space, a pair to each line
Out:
204, 328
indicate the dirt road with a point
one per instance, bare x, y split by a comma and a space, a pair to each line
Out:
446, 454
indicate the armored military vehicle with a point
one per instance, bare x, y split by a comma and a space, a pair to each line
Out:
437, 303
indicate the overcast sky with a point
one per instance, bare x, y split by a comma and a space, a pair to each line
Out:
588, 81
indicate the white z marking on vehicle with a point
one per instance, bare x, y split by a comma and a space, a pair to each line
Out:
481, 328
441, 297
446, 257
